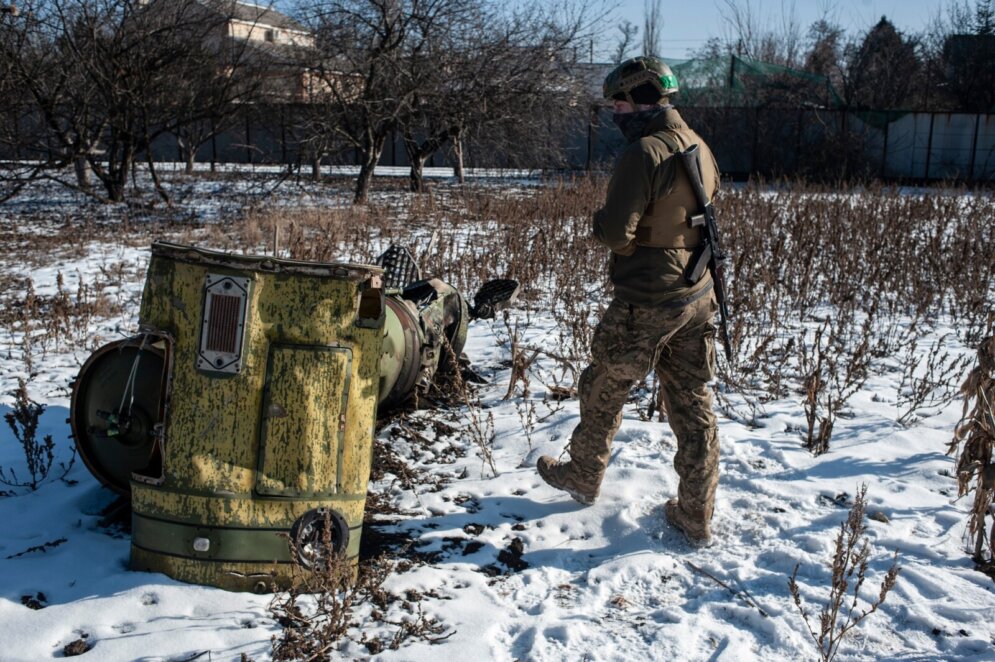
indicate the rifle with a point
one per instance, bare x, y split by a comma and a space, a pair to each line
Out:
710, 256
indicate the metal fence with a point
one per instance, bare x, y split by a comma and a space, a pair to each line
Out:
835, 144
747, 141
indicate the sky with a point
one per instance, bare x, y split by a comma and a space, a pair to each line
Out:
687, 25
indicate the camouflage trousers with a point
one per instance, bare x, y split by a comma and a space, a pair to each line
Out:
680, 344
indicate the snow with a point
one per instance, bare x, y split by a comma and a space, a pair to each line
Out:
608, 582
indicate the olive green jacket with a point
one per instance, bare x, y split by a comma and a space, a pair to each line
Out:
646, 172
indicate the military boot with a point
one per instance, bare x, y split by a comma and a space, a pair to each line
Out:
565, 476
695, 530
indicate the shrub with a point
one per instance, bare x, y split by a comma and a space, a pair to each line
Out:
974, 442
849, 565
39, 454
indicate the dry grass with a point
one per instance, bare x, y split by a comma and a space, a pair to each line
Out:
827, 288
974, 445
335, 603
839, 615
878, 269
39, 455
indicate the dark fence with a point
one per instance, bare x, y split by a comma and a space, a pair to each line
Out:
835, 144
769, 142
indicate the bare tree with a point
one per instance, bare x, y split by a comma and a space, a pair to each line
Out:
496, 79
959, 49
15, 112
775, 42
825, 54
437, 71
362, 86
652, 26
103, 79
629, 32
226, 76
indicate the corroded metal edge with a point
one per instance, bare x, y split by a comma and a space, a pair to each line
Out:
264, 263
226, 575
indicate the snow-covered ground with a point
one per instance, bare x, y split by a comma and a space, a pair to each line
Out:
609, 582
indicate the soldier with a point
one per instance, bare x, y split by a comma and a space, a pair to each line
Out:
657, 319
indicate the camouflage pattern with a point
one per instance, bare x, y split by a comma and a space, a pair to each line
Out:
679, 343
637, 71
657, 321
563, 476
696, 531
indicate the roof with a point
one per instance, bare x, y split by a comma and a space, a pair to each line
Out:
252, 13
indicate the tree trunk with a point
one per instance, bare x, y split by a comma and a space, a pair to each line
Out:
417, 175
116, 176
187, 152
155, 176
316, 168
458, 155
115, 187
414, 154
363, 181
114, 182
82, 169
371, 155
214, 146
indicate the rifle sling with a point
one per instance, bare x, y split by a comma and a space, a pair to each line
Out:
698, 264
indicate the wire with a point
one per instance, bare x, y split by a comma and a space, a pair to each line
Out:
129, 387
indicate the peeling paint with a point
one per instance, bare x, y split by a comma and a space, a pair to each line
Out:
292, 431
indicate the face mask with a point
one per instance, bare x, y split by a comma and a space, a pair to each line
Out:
632, 125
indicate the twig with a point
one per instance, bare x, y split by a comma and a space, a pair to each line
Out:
408, 430
44, 547
196, 656
741, 594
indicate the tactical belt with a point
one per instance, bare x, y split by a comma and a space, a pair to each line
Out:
683, 301
644, 237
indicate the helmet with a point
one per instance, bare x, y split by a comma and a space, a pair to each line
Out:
642, 79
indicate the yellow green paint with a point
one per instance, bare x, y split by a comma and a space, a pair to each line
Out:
292, 431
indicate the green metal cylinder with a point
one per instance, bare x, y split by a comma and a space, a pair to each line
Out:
269, 411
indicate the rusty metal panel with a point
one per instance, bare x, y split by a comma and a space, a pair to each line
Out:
224, 321
303, 420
